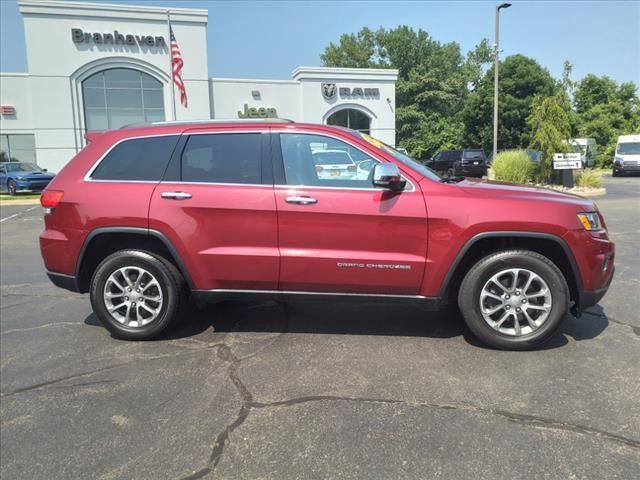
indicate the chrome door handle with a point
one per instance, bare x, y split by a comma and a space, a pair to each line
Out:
301, 200
176, 195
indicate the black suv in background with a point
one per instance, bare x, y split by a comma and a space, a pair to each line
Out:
470, 162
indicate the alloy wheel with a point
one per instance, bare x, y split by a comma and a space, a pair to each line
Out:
132, 296
515, 301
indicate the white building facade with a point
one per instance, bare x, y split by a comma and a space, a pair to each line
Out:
94, 67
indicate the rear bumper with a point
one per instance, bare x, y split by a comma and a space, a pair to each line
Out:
68, 282
472, 170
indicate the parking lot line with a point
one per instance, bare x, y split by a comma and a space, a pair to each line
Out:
17, 214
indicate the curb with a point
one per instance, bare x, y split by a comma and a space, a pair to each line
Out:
595, 193
26, 201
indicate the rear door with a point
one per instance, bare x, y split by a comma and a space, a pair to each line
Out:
217, 208
344, 236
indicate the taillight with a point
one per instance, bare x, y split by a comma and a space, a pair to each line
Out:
352, 168
318, 168
50, 199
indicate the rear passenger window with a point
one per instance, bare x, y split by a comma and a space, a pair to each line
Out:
138, 159
223, 158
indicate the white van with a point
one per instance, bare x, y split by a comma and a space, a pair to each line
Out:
587, 148
627, 157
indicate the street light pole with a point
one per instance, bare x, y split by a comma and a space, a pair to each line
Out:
496, 66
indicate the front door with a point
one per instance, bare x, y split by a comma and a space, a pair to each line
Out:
217, 208
336, 233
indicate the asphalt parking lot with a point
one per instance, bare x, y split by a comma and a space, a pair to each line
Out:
278, 391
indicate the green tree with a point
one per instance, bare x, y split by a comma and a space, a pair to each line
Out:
605, 110
521, 79
433, 81
550, 128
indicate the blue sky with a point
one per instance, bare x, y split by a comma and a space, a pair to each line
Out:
267, 39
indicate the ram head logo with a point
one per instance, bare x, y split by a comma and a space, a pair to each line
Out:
328, 90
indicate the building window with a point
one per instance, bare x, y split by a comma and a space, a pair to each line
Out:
351, 118
18, 148
121, 96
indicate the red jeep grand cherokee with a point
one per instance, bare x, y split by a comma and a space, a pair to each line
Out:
146, 217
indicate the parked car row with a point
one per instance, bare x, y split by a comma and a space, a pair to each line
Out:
23, 177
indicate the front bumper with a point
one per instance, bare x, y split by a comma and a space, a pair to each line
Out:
628, 166
30, 187
595, 257
589, 299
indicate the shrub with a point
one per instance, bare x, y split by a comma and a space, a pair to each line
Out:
513, 166
588, 179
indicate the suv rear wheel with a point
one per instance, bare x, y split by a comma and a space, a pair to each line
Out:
514, 300
137, 295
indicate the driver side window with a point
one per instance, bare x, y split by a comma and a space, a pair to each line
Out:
316, 160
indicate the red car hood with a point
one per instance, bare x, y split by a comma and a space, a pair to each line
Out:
488, 188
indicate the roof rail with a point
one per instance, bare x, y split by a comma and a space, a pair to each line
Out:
210, 120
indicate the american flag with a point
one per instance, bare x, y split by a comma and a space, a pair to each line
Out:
177, 63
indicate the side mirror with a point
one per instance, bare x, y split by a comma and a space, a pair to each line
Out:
387, 175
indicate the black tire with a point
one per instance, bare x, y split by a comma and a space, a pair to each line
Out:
171, 283
484, 269
615, 173
11, 187
451, 172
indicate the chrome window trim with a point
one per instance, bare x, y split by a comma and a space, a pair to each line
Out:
367, 189
87, 177
281, 129
302, 292
219, 184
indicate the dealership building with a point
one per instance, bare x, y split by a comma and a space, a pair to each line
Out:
95, 66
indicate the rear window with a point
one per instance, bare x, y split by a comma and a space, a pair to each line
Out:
223, 158
473, 155
332, 158
138, 159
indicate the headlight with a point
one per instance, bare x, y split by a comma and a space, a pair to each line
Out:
619, 160
21, 179
590, 220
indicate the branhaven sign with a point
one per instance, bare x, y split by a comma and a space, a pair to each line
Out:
116, 38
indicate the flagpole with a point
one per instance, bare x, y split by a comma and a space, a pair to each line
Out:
173, 91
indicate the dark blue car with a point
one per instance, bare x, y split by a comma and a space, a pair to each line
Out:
17, 177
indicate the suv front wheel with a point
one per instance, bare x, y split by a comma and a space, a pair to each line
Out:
514, 300
136, 295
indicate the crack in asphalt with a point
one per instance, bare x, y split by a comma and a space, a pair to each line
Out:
37, 327
534, 420
41, 385
223, 440
45, 295
635, 329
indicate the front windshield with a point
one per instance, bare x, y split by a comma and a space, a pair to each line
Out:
23, 167
632, 148
413, 164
